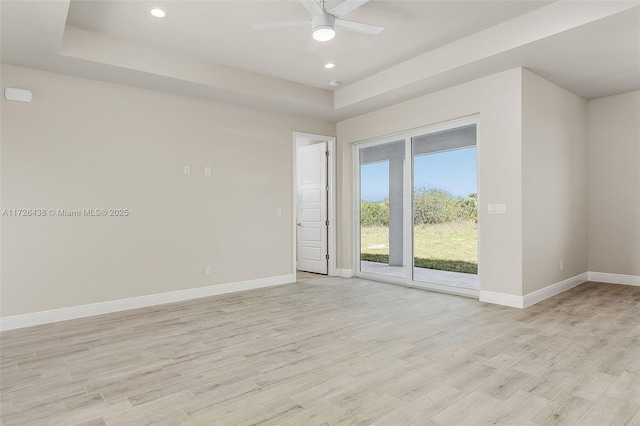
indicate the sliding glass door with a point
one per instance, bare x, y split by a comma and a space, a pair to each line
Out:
417, 199
381, 202
445, 193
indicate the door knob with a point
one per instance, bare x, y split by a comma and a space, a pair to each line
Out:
299, 224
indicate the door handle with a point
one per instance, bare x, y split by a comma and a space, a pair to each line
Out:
299, 224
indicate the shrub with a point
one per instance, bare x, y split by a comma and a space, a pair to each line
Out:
431, 206
375, 213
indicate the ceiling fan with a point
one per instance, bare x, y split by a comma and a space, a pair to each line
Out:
323, 22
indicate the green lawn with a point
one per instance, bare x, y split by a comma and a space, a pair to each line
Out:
445, 246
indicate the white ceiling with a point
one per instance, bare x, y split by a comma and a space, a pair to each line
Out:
206, 48
220, 32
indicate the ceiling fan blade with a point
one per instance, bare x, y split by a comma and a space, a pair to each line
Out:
282, 24
347, 7
359, 27
313, 7
312, 45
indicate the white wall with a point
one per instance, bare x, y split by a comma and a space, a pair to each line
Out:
614, 184
497, 99
554, 183
88, 144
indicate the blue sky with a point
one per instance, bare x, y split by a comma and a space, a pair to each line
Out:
454, 171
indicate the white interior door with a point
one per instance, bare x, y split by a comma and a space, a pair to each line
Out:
312, 208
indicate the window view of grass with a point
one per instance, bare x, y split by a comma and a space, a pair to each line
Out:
445, 232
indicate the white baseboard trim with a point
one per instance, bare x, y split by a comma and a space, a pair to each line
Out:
554, 289
346, 273
605, 277
81, 311
534, 297
504, 299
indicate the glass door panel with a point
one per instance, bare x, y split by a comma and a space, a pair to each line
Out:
445, 231
381, 209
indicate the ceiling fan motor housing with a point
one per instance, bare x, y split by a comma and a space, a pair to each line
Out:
327, 21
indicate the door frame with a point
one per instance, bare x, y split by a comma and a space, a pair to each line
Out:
331, 199
407, 135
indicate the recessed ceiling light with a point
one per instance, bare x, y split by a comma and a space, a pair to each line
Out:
329, 65
333, 83
158, 13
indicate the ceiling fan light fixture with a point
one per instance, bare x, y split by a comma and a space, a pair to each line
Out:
323, 27
324, 34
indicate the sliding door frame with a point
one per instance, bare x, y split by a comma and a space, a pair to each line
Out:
408, 184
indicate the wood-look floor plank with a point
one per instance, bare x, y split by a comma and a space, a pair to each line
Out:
564, 409
467, 410
626, 387
521, 407
610, 411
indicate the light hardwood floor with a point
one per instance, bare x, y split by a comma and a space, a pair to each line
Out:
334, 351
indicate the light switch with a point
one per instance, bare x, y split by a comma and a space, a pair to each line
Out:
207, 171
497, 209
187, 170
278, 212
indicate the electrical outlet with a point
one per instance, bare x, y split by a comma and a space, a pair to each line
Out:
562, 265
207, 270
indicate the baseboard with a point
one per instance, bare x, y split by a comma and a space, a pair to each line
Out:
346, 273
534, 297
82, 311
554, 289
503, 299
604, 277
